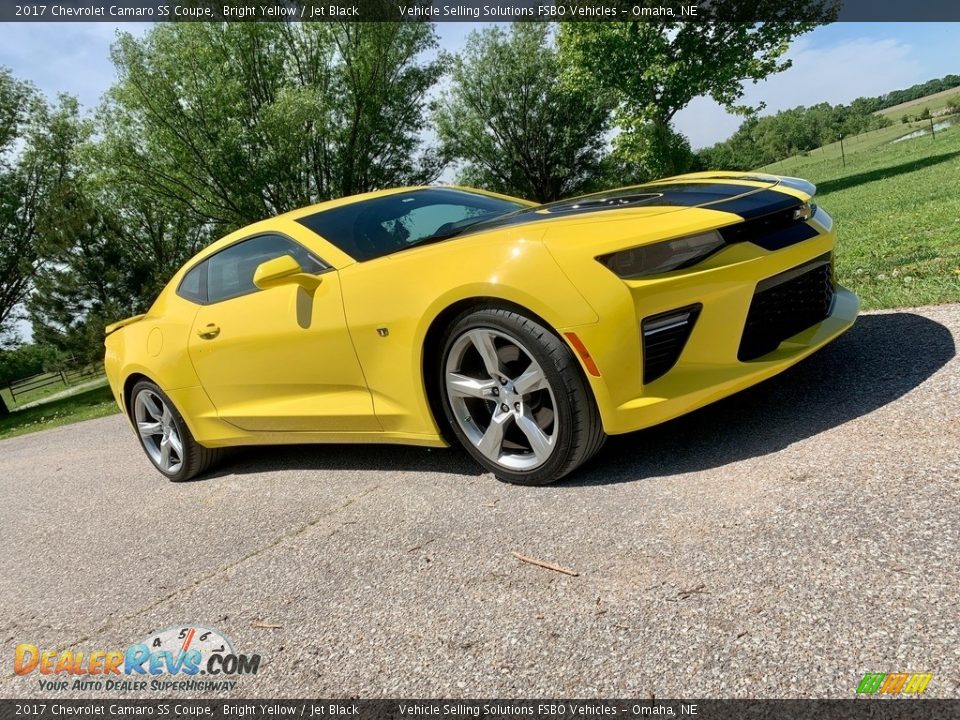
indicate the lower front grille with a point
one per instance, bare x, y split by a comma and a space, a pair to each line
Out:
787, 304
664, 337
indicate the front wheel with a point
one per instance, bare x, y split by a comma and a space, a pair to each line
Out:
164, 435
516, 398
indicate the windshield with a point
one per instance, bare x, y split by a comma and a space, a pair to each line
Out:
373, 228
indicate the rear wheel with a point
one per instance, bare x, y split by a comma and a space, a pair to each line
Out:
516, 398
164, 435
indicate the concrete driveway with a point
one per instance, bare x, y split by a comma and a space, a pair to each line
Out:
780, 543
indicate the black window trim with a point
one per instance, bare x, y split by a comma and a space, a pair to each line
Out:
203, 277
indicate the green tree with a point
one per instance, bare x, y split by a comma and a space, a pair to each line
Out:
510, 121
107, 261
109, 250
34, 164
25, 184
651, 70
924, 114
232, 122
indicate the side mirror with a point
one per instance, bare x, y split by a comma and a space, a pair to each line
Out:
284, 270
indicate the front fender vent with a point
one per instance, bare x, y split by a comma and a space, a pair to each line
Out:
664, 337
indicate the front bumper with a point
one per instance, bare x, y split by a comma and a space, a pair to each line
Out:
708, 367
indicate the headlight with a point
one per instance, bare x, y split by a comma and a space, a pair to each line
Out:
662, 257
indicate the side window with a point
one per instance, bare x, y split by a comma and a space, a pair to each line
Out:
194, 284
230, 272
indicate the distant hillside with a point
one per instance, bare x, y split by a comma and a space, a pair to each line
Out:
763, 140
931, 102
915, 92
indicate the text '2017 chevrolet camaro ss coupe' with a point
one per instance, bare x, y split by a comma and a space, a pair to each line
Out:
527, 333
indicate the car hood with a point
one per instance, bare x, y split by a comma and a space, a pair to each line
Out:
745, 195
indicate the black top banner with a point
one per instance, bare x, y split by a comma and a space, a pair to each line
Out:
658, 11
555, 709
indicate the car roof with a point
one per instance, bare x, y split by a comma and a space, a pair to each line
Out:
346, 200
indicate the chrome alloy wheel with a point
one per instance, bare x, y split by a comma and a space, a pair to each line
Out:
501, 399
158, 430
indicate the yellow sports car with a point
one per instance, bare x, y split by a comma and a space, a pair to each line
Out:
527, 333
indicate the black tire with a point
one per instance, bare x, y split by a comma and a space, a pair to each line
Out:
578, 433
196, 458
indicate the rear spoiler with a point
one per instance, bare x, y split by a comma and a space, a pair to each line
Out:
113, 327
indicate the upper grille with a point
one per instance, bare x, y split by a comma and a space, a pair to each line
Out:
786, 304
664, 337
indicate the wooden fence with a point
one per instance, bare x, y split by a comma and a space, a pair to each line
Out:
66, 378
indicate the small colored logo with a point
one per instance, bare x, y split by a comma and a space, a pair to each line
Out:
894, 683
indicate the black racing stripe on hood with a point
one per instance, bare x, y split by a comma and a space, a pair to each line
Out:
758, 204
682, 194
740, 200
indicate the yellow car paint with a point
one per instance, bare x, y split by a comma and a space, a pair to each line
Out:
343, 360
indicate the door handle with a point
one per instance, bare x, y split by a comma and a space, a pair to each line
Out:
209, 332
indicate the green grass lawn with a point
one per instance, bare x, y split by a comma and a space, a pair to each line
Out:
897, 213
85, 405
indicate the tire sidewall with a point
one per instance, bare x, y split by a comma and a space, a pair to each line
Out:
511, 324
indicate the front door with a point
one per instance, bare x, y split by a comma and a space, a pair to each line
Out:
279, 359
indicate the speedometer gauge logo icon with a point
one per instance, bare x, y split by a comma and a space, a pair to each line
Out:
184, 638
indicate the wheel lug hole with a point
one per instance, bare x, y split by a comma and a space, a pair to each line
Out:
505, 407
503, 381
496, 391
516, 406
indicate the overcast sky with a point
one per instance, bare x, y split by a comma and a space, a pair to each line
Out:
836, 63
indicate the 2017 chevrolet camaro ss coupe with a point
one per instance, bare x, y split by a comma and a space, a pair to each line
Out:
527, 333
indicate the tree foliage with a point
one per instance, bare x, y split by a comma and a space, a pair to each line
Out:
510, 121
211, 127
761, 141
652, 70
33, 164
238, 121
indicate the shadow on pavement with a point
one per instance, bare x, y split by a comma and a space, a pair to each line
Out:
378, 458
880, 359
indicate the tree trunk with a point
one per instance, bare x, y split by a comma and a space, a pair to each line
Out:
4, 411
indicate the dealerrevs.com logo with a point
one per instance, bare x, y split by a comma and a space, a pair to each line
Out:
182, 657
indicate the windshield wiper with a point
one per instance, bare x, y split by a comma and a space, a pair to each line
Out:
438, 237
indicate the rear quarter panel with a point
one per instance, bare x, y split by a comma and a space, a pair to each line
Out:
155, 347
